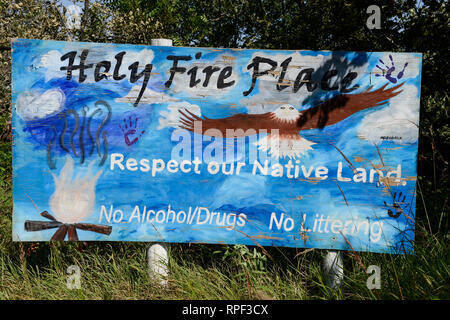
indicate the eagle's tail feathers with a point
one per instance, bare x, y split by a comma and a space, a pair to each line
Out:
290, 146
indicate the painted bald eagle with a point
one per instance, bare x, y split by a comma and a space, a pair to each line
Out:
283, 124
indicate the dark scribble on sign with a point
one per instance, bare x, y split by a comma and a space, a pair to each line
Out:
100, 128
51, 143
84, 128
74, 131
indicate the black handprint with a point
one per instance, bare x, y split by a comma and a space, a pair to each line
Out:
387, 71
398, 204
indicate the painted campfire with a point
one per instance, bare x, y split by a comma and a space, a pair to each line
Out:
71, 203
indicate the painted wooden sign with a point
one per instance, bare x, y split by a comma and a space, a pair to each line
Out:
309, 149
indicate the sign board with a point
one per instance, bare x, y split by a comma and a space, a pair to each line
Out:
313, 149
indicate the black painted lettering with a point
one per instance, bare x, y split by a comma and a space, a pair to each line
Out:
71, 56
134, 76
175, 68
82, 66
256, 73
193, 73
224, 74
284, 66
305, 76
326, 77
119, 58
347, 81
208, 71
106, 65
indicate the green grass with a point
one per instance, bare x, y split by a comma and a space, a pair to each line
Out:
118, 270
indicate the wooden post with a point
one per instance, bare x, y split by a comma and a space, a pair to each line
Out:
333, 269
157, 253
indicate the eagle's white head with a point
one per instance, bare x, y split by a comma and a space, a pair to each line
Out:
287, 112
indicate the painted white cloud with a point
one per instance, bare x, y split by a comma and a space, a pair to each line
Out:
149, 96
269, 98
400, 119
51, 61
34, 105
144, 57
171, 118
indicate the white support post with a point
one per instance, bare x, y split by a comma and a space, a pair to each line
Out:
162, 42
158, 263
333, 268
158, 258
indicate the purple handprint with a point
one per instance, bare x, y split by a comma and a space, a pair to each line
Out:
387, 71
130, 128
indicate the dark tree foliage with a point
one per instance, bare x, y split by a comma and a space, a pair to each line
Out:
407, 25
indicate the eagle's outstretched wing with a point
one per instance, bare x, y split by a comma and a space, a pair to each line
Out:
344, 105
330, 112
